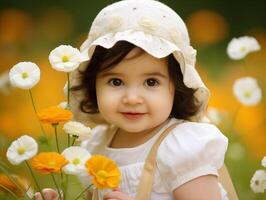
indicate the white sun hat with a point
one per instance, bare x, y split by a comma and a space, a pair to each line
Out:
152, 26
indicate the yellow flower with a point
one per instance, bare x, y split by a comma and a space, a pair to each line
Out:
105, 172
54, 115
48, 162
9, 184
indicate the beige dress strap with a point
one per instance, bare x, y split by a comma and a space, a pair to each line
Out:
225, 180
145, 184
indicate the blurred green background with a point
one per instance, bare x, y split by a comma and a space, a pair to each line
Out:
30, 29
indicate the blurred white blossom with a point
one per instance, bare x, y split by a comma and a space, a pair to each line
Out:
247, 91
24, 148
238, 48
214, 115
77, 157
5, 85
258, 181
78, 130
263, 162
24, 75
65, 58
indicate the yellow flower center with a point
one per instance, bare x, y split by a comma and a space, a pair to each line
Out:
24, 75
51, 163
21, 150
243, 49
65, 59
102, 174
76, 161
247, 94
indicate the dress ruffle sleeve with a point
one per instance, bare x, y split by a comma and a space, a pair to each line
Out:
191, 150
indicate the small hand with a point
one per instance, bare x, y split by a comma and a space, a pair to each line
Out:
116, 194
48, 193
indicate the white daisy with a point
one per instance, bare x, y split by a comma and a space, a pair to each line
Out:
24, 148
78, 130
263, 162
238, 48
65, 58
247, 91
77, 157
24, 75
258, 181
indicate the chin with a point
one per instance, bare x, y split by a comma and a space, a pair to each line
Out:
133, 129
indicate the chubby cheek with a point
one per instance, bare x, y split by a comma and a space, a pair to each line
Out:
107, 103
161, 104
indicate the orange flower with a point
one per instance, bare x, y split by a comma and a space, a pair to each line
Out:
54, 115
105, 172
48, 162
9, 184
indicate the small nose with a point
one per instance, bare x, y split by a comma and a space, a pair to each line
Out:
132, 97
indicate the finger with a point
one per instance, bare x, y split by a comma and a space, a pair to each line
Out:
112, 195
38, 196
117, 189
49, 194
118, 195
111, 199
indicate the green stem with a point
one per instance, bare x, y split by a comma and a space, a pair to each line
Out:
68, 140
58, 190
66, 186
8, 190
68, 88
56, 137
35, 180
62, 183
35, 110
82, 192
32, 101
74, 140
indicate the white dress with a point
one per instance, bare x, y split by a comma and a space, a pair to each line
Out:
190, 150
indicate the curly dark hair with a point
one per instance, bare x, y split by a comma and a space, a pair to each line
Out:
185, 104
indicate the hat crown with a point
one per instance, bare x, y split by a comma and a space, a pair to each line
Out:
149, 16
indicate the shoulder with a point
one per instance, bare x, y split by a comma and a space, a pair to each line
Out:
193, 136
191, 150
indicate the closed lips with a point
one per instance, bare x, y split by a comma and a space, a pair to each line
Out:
131, 113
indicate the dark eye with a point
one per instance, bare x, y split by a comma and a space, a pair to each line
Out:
115, 82
151, 82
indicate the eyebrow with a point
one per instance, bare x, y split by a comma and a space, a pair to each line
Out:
155, 74
106, 74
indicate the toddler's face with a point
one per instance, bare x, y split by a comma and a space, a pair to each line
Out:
137, 94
